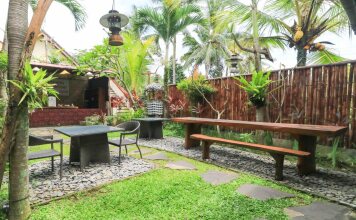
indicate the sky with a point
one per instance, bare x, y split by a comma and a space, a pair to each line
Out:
60, 25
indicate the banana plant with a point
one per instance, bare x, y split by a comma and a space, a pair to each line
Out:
35, 87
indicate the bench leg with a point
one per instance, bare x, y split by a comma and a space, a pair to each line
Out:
206, 150
189, 130
279, 158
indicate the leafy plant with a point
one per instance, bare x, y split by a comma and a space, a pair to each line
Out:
333, 155
256, 88
3, 61
247, 137
35, 87
193, 88
268, 138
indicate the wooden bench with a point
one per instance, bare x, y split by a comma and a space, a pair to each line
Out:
277, 153
305, 134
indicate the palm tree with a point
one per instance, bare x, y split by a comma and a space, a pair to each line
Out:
14, 139
75, 8
18, 190
166, 21
207, 45
313, 18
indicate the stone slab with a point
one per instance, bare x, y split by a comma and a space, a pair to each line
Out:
319, 211
180, 165
157, 156
262, 192
143, 151
217, 177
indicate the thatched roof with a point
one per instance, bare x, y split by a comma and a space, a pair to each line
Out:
350, 8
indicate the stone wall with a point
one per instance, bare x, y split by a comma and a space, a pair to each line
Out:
60, 116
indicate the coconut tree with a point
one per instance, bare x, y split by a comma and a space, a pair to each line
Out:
206, 44
165, 22
312, 19
298, 22
75, 8
14, 139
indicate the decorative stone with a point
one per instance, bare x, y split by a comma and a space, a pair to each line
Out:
180, 165
157, 156
319, 211
261, 192
218, 177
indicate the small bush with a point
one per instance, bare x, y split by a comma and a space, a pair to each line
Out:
172, 129
194, 88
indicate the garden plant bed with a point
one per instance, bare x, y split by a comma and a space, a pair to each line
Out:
334, 185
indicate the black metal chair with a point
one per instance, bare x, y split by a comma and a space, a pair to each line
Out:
130, 128
41, 140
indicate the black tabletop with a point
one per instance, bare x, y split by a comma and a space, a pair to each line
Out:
151, 119
75, 131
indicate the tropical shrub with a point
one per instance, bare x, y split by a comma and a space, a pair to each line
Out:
256, 88
35, 88
195, 89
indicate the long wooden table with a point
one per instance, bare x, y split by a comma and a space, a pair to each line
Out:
306, 135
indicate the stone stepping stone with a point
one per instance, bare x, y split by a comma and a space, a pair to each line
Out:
157, 156
217, 177
262, 192
319, 211
180, 165
143, 151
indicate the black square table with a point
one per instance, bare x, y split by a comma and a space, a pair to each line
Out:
88, 143
151, 128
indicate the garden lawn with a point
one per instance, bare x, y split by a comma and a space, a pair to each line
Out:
171, 194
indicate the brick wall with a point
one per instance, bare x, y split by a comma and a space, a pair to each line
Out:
60, 116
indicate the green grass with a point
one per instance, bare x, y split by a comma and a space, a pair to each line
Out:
170, 194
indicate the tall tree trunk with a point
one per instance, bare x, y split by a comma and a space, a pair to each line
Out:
166, 66
301, 57
18, 54
16, 30
19, 180
255, 34
174, 77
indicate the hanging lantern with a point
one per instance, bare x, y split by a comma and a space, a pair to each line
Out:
234, 60
115, 22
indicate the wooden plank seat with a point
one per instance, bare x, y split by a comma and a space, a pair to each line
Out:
277, 153
41, 140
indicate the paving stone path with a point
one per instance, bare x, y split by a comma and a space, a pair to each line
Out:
320, 211
157, 156
335, 185
262, 192
217, 177
180, 165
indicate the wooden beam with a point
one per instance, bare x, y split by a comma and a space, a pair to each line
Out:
35, 28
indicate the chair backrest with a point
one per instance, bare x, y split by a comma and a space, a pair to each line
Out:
130, 126
38, 140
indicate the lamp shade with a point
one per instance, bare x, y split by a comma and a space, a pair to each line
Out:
114, 20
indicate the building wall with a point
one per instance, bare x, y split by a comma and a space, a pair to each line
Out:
71, 90
44, 49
